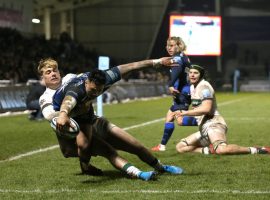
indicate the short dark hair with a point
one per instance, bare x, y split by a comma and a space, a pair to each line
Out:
200, 69
97, 76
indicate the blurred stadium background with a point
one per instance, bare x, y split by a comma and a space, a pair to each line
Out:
76, 32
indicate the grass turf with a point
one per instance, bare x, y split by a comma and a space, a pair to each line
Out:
49, 175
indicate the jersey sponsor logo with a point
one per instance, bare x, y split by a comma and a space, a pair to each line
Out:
42, 101
196, 102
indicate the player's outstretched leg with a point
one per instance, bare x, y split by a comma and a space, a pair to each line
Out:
133, 171
161, 168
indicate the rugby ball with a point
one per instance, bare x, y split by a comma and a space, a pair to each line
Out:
69, 132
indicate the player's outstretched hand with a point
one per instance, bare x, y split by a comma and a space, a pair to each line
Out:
164, 61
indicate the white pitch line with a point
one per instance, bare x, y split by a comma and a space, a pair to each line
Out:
57, 146
144, 124
230, 102
64, 190
30, 153
127, 128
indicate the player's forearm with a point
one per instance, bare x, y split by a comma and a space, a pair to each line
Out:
125, 68
198, 111
52, 115
48, 112
165, 61
193, 113
68, 104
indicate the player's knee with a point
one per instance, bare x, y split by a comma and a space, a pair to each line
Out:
169, 118
179, 121
83, 144
219, 148
83, 148
178, 118
180, 147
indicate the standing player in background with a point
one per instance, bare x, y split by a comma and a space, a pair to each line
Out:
211, 137
179, 88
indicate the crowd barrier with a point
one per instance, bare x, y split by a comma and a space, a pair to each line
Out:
12, 98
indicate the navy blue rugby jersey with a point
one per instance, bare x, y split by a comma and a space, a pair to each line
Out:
179, 74
76, 89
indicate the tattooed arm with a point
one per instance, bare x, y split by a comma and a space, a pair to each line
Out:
67, 105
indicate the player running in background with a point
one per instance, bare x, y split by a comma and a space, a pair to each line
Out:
211, 137
97, 135
179, 88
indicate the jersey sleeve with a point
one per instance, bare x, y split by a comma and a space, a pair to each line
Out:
68, 78
206, 93
46, 106
175, 73
112, 76
61, 94
74, 92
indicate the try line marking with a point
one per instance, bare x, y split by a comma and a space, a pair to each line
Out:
127, 128
38, 191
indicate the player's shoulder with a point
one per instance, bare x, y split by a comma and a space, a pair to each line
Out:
205, 83
181, 59
68, 77
205, 87
48, 93
46, 97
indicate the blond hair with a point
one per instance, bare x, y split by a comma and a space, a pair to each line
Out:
46, 63
179, 42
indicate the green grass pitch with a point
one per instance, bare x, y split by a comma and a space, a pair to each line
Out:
48, 175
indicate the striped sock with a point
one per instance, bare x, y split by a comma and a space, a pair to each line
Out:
205, 150
253, 150
131, 170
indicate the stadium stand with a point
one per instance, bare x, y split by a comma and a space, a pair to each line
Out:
20, 55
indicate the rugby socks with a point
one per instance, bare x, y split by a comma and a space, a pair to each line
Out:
189, 121
205, 150
253, 150
156, 164
209, 150
131, 170
168, 130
